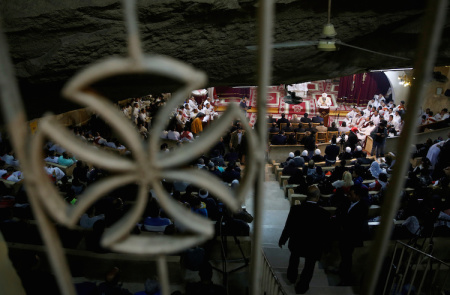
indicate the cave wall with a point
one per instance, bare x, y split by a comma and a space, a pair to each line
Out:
51, 40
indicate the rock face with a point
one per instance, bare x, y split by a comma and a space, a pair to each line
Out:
50, 40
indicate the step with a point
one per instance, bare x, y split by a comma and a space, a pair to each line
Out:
326, 290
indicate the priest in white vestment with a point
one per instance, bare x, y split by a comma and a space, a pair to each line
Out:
324, 101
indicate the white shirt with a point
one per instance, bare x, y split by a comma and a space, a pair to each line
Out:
376, 119
58, 172
173, 135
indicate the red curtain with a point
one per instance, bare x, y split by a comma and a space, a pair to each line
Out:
360, 88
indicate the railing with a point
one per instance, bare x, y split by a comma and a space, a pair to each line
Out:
415, 272
269, 282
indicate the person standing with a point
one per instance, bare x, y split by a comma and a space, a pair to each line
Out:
352, 220
379, 135
197, 126
238, 143
306, 228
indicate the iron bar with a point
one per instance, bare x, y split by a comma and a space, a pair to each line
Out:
265, 28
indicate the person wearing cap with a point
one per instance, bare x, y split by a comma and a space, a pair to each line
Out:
317, 156
307, 228
291, 156
357, 152
197, 126
352, 138
347, 155
324, 101
298, 159
305, 156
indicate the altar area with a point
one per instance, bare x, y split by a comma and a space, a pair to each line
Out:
310, 92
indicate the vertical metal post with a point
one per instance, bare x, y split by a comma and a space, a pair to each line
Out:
163, 274
424, 63
265, 27
15, 118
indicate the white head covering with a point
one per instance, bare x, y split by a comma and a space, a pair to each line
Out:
305, 153
324, 94
348, 149
203, 194
375, 169
359, 148
291, 155
317, 152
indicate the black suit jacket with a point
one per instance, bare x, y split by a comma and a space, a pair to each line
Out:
305, 120
317, 119
307, 228
278, 139
331, 152
352, 140
354, 226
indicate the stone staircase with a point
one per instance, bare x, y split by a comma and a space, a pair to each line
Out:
275, 214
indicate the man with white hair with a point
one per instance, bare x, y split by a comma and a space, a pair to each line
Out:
324, 101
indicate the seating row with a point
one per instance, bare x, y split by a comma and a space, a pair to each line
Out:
321, 137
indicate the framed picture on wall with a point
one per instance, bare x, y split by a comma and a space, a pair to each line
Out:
438, 90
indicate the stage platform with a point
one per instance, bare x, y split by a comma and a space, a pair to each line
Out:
276, 104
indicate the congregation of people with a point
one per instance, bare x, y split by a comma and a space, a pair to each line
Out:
355, 174
356, 183
224, 160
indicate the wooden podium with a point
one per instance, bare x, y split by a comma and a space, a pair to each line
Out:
325, 114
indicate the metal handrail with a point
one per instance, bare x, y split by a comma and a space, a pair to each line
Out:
404, 270
270, 284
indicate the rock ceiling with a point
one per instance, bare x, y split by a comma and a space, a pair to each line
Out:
51, 40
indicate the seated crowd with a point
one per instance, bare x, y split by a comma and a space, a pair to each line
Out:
224, 161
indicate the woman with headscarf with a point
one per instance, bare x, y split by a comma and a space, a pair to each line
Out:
305, 156
317, 156
375, 169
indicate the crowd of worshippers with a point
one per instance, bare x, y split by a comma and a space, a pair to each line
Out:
223, 160
428, 181
358, 123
